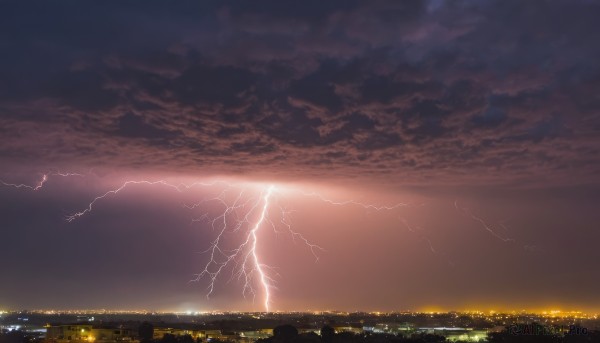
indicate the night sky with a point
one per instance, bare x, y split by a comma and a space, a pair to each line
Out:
478, 120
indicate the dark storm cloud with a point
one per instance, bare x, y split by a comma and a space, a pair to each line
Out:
133, 126
491, 118
431, 90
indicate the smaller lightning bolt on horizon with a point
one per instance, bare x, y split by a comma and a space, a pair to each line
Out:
424, 237
40, 184
532, 248
415, 231
467, 212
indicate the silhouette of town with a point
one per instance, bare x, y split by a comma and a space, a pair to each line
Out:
315, 327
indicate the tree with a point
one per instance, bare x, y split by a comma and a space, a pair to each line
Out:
285, 333
169, 338
14, 337
327, 333
146, 332
186, 339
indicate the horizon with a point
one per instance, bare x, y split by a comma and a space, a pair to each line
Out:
546, 312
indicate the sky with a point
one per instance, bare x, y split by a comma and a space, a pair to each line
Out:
406, 155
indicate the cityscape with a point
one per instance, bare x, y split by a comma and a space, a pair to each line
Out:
325, 171
145, 326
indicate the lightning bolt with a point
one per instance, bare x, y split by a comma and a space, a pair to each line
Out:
423, 237
466, 211
247, 213
177, 187
236, 216
244, 259
263, 277
357, 203
40, 184
220, 258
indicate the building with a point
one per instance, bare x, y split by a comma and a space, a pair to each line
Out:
76, 333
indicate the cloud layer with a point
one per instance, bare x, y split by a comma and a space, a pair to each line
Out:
411, 92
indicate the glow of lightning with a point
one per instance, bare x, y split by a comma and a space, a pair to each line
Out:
378, 208
264, 279
244, 259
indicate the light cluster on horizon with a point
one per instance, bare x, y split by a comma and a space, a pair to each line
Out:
473, 313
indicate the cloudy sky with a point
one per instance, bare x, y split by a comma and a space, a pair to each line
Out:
482, 118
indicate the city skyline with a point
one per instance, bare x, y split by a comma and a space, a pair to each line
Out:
282, 156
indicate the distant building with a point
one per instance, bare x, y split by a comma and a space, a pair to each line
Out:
453, 334
347, 328
252, 336
195, 334
79, 333
391, 328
